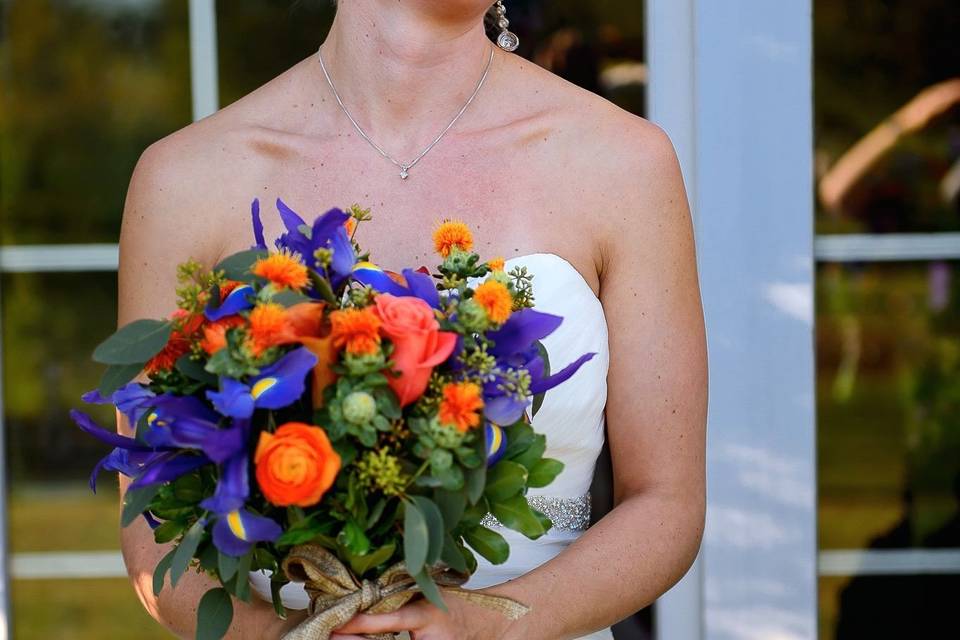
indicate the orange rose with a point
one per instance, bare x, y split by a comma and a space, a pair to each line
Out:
295, 465
418, 343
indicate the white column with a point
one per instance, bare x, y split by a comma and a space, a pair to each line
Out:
731, 83
204, 78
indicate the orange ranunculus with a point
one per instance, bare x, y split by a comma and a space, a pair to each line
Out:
418, 343
295, 465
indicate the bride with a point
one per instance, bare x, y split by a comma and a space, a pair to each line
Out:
589, 198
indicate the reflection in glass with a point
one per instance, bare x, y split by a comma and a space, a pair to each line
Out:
888, 382
86, 87
887, 116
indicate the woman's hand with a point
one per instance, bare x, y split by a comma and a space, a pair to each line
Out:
424, 621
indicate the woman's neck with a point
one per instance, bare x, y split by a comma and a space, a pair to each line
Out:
404, 68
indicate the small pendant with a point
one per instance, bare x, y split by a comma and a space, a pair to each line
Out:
404, 174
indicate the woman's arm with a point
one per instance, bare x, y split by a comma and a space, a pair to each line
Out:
656, 424
167, 219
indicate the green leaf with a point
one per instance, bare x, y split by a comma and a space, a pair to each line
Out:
136, 501
451, 478
288, 298
214, 614
435, 527
476, 480
161, 571
195, 371
533, 453
544, 472
323, 287
353, 538
505, 479
168, 531
134, 343
515, 513
242, 584
416, 538
538, 398
430, 590
452, 556
519, 437
237, 266
440, 460
227, 566
117, 375
545, 522
452, 505
488, 543
275, 586
185, 552
361, 564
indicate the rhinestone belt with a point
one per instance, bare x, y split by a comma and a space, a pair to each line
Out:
571, 514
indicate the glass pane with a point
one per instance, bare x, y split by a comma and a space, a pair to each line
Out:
888, 384
87, 86
887, 115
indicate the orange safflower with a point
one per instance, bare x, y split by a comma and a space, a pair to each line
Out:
283, 270
460, 405
358, 330
215, 333
186, 326
496, 264
268, 327
495, 299
295, 465
452, 234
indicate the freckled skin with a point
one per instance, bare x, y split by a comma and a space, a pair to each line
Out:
534, 165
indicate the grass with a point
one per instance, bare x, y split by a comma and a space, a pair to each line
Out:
68, 518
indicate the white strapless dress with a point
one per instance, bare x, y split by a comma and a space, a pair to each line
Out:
572, 418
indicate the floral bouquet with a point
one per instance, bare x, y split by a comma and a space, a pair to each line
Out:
310, 415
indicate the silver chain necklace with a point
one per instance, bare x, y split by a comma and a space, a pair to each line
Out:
404, 167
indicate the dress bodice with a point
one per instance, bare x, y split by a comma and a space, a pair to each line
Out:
571, 417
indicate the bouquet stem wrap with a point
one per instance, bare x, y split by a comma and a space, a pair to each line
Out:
336, 595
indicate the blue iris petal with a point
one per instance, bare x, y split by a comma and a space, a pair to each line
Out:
283, 382
343, 258
168, 467
235, 302
422, 285
379, 281
521, 330
233, 399
504, 409
257, 225
540, 384
233, 489
235, 533
90, 427
327, 226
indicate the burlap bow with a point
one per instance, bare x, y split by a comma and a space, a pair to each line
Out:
336, 595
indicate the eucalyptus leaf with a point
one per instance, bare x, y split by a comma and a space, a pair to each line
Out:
416, 538
488, 543
136, 501
361, 564
195, 371
134, 343
288, 298
214, 614
242, 586
237, 266
544, 472
226, 566
435, 527
117, 375
275, 586
430, 590
168, 531
476, 480
505, 479
160, 572
452, 505
452, 556
185, 552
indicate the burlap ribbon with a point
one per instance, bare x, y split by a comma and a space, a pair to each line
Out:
336, 595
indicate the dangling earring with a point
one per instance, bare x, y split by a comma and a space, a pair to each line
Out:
507, 40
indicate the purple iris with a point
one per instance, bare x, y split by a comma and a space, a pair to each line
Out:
237, 528
275, 387
240, 299
419, 285
326, 232
515, 348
